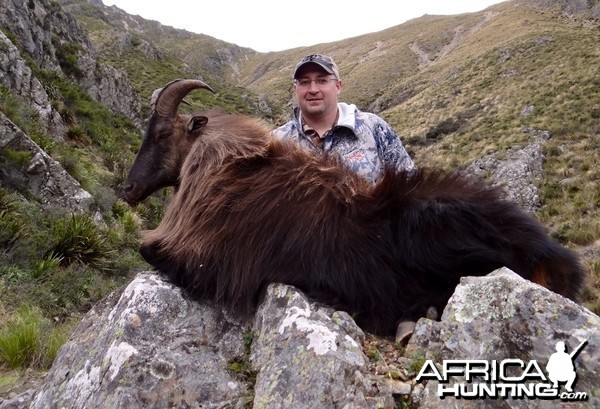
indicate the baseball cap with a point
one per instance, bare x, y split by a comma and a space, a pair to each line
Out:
323, 61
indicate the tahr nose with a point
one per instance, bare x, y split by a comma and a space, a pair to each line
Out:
129, 193
128, 187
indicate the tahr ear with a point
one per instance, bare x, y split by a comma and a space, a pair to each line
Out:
196, 123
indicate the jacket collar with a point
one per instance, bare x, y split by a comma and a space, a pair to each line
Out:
346, 116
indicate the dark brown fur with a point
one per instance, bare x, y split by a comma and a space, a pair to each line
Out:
252, 210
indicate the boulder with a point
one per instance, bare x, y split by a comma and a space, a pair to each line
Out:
40, 175
151, 346
502, 316
518, 171
308, 355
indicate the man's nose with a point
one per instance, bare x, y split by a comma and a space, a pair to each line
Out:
313, 87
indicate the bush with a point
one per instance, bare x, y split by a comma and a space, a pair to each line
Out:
68, 57
79, 240
446, 127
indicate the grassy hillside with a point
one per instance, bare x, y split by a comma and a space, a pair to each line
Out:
483, 97
153, 55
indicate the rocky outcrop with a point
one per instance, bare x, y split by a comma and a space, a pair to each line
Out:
151, 346
35, 171
502, 316
303, 352
112, 88
582, 8
17, 76
55, 41
518, 171
28, 22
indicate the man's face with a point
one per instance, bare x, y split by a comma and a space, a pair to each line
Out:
316, 90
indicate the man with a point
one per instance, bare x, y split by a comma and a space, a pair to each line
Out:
364, 141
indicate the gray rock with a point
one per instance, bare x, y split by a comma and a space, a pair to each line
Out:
527, 111
502, 316
308, 356
42, 176
150, 347
517, 171
43, 28
18, 77
112, 88
582, 8
153, 347
23, 21
128, 42
20, 401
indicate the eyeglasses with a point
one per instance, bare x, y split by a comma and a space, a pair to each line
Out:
320, 82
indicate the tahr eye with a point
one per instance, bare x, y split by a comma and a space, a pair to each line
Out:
161, 136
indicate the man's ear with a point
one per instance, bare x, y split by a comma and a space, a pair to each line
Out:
196, 123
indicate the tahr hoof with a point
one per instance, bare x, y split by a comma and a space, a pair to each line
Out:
404, 332
432, 313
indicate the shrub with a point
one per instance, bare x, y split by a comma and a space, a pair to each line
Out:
445, 127
68, 57
77, 239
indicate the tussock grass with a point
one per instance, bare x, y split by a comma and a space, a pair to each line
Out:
63, 264
11, 223
27, 339
78, 239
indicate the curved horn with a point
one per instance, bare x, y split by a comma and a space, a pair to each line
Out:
166, 100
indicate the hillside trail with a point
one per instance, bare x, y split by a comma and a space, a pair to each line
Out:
425, 59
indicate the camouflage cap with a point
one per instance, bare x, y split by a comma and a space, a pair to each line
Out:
323, 61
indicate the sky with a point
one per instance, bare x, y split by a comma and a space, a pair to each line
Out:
276, 25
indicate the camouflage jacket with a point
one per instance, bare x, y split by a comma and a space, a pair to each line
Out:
364, 141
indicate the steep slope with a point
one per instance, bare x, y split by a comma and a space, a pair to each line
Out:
153, 54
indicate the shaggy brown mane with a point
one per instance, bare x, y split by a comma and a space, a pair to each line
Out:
253, 210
